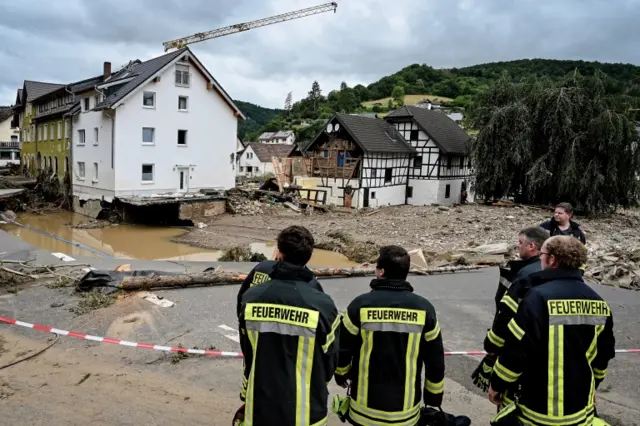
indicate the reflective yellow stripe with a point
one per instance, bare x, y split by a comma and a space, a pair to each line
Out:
495, 339
504, 413
555, 381
434, 388
259, 278
411, 370
248, 409
398, 315
515, 329
512, 304
377, 417
504, 373
599, 374
332, 335
348, 324
592, 352
283, 314
433, 334
582, 417
341, 371
363, 370
304, 364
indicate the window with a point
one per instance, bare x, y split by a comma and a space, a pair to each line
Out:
149, 99
414, 135
183, 103
5, 155
59, 129
39, 136
182, 75
96, 135
447, 191
449, 158
249, 169
67, 129
97, 99
147, 172
461, 162
45, 131
86, 104
51, 132
373, 195
249, 155
374, 173
182, 137
55, 165
242, 168
81, 139
417, 161
14, 138
95, 172
388, 173
81, 170
409, 191
148, 135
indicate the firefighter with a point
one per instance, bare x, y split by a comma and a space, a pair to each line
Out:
289, 339
512, 288
560, 344
386, 337
262, 271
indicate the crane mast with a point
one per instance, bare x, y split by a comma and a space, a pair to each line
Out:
232, 29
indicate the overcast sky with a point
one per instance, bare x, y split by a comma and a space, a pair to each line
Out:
68, 40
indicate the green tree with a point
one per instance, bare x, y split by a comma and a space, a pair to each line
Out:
343, 85
398, 95
315, 95
288, 103
546, 141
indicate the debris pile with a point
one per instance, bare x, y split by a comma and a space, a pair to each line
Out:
91, 224
241, 254
241, 202
617, 268
341, 242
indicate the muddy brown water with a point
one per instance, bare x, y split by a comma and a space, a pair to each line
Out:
131, 241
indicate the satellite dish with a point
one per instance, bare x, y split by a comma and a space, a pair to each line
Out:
329, 128
336, 127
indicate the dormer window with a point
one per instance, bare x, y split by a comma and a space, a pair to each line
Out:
182, 75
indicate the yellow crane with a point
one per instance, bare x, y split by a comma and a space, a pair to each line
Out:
232, 29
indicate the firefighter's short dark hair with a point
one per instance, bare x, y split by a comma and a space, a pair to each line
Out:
295, 243
535, 235
395, 261
568, 251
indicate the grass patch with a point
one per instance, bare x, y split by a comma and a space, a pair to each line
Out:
241, 254
93, 300
408, 100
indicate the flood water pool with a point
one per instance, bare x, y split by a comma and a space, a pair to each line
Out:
132, 241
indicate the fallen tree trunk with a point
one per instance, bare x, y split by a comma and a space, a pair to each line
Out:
145, 282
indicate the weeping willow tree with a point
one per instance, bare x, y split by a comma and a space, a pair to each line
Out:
544, 142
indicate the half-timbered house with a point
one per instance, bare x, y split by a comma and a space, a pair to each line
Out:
365, 155
441, 165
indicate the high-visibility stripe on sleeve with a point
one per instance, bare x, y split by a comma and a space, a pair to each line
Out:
433, 334
495, 339
348, 324
341, 371
515, 329
504, 373
331, 337
599, 374
434, 388
512, 304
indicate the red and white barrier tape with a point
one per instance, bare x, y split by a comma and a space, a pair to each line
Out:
225, 354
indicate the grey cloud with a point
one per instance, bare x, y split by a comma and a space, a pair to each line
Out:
67, 40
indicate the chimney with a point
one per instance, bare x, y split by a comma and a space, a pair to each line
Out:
106, 70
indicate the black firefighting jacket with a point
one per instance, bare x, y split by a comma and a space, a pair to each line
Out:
289, 337
559, 348
385, 338
260, 274
512, 288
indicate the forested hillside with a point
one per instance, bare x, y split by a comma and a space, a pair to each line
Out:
257, 117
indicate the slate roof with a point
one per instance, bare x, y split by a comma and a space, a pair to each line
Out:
6, 112
266, 151
141, 71
450, 137
36, 89
266, 135
373, 135
83, 85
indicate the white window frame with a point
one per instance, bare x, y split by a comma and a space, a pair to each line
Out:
153, 136
82, 137
45, 132
186, 137
52, 132
67, 129
81, 170
59, 129
153, 97
182, 76
186, 102
95, 172
153, 170
86, 104
96, 135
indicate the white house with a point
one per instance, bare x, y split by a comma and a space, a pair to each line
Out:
441, 164
287, 137
257, 158
155, 127
366, 154
9, 138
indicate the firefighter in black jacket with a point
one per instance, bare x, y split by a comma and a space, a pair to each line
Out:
385, 338
560, 344
261, 273
512, 288
289, 339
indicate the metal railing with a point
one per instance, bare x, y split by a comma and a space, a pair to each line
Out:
10, 144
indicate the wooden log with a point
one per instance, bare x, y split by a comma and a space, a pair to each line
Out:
226, 278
